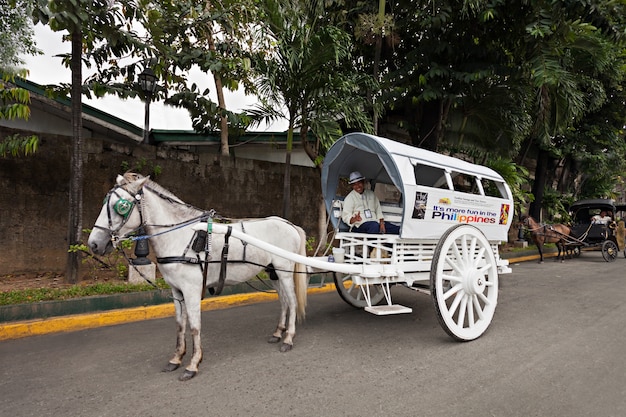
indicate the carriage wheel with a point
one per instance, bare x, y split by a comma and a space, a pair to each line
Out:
609, 250
575, 251
352, 294
464, 282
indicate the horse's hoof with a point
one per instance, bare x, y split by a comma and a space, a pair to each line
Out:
187, 375
170, 367
273, 339
286, 347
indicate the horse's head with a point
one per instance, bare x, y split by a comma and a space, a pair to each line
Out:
118, 216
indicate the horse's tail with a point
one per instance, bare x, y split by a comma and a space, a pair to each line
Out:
300, 278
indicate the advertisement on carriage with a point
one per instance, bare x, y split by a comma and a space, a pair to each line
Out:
436, 210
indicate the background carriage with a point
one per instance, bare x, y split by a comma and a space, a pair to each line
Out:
608, 236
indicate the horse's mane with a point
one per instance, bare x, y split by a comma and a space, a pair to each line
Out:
184, 210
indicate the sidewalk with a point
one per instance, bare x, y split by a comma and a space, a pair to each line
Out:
24, 320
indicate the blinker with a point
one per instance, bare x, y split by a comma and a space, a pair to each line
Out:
123, 207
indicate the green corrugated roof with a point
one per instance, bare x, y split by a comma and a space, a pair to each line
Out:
162, 135
87, 109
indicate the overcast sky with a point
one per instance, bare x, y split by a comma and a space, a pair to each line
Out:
48, 69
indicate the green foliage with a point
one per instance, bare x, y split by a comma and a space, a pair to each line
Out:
301, 72
16, 33
517, 177
17, 145
310, 244
36, 295
117, 260
142, 166
14, 103
556, 206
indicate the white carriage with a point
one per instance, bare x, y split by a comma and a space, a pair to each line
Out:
452, 216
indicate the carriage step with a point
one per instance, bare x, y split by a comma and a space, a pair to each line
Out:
385, 310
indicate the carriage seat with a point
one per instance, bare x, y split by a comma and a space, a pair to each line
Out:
595, 232
392, 212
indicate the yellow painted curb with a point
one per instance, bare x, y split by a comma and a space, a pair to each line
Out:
75, 322
531, 258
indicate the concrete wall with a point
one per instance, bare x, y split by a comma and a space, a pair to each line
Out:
34, 192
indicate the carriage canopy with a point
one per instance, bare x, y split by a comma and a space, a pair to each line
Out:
583, 210
435, 191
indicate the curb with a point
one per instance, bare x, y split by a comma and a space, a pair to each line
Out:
76, 322
143, 311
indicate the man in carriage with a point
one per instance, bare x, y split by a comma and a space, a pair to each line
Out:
362, 210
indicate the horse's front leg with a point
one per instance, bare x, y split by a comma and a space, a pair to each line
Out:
561, 254
195, 320
181, 323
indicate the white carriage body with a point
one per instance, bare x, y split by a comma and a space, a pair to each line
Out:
435, 196
436, 191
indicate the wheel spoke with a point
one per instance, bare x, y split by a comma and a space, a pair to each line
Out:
456, 253
484, 299
357, 294
461, 319
477, 307
452, 291
455, 263
483, 270
470, 311
472, 248
464, 249
455, 303
453, 278
479, 256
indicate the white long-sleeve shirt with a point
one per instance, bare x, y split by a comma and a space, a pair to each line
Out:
355, 202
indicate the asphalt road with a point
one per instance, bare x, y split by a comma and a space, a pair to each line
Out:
554, 348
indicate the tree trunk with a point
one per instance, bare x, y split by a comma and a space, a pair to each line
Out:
221, 102
539, 185
428, 125
76, 161
287, 179
322, 226
377, 53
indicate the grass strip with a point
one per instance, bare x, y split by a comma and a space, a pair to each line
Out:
36, 295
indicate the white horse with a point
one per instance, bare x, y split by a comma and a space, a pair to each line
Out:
137, 202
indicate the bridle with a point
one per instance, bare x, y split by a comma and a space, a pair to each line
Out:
124, 208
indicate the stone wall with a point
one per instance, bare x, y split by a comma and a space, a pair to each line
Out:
34, 193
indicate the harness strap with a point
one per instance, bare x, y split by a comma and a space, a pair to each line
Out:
243, 242
178, 259
207, 255
223, 265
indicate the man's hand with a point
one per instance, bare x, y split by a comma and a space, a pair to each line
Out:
356, 218
382, 226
